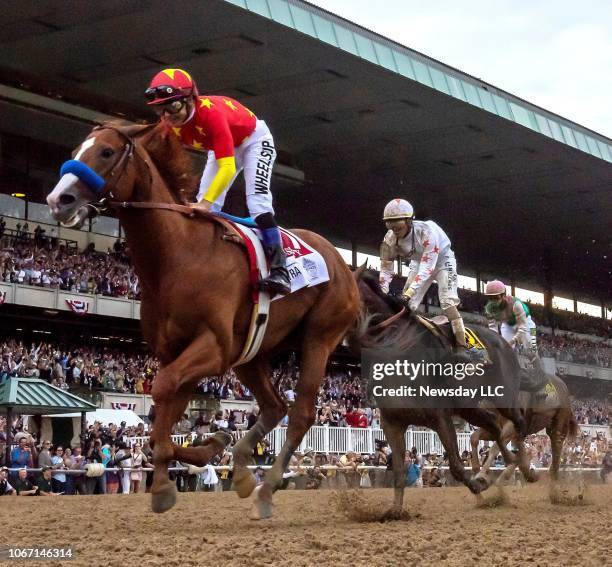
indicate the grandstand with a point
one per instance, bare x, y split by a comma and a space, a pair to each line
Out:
394, 121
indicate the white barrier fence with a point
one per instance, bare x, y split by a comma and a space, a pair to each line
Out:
340, 440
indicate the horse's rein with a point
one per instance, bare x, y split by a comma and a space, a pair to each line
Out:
384, 324
183, 209
119, 167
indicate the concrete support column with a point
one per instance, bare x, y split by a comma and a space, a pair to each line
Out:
354, 253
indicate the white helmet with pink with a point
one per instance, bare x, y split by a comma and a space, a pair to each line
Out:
495, 287
398, 209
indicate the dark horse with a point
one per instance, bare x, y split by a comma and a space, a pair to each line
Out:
555, 416
196, 299
405, 333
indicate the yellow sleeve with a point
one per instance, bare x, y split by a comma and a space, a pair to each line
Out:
225, 173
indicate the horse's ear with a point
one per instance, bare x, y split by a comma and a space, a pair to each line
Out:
137, 130
360, 271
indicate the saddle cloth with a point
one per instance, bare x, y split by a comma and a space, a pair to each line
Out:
305, 265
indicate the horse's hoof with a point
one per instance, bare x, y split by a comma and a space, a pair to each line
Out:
531, 477
394, 514
478, 484
163, 498
262, 503
244, 483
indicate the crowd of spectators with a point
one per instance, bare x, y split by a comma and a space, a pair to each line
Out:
120, 447
572, 349
45, 261
584, 451
592, 412
340, 399
574, 322
41, 259
96, 368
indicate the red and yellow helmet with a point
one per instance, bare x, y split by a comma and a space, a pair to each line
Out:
169, 85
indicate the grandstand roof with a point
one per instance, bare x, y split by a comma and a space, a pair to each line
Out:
523, 193
34, 396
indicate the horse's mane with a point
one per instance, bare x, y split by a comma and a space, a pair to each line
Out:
398, 335
172, 161
370, 278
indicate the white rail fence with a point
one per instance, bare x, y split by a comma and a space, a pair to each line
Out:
324, 439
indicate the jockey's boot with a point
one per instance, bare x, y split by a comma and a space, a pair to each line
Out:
538, 372
463, 352
277, 281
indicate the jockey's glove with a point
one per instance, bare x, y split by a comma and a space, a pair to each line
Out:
409, 293
406, 299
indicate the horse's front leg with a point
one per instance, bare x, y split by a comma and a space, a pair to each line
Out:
173, 387
168, 410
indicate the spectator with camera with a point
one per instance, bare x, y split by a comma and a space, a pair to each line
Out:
21, 456
44, 456
96, 484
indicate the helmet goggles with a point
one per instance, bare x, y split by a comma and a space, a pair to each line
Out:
163, 94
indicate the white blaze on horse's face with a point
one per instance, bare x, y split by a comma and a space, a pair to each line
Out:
70, 194
84, 147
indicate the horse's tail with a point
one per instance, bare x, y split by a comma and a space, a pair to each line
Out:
572, 428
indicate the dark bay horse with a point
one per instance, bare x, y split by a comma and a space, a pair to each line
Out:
555, 416
196, 299
405, 333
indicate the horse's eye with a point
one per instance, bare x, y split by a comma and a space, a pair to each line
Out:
107, 152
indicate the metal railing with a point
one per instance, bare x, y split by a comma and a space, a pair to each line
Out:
340, 440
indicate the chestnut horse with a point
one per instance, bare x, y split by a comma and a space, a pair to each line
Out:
196, 300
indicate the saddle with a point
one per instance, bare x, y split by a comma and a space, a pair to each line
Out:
440, 327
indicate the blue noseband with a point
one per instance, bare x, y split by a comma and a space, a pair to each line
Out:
85, 174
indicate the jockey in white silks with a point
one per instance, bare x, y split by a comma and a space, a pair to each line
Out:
510, 317
431, 257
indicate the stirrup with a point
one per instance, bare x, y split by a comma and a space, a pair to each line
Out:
276, 283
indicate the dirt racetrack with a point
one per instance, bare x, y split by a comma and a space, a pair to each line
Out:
213, 529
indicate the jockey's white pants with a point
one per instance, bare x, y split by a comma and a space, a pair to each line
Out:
446, 276
255, 156
526, 339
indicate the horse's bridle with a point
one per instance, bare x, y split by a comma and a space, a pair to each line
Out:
110, 181
121, 164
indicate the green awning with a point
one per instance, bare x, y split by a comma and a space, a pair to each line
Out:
33, 396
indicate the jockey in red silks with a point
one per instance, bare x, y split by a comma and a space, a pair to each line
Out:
235, 141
